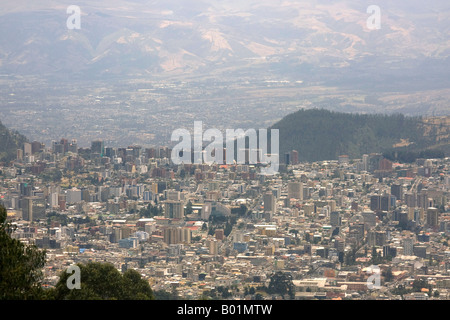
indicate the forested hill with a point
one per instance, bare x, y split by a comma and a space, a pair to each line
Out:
10, 141
319, 134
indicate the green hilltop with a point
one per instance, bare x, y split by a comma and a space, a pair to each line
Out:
10, 141
319, 134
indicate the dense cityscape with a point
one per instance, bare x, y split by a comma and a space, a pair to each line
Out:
211, 158
356, 229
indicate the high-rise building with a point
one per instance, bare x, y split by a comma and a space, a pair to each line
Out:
295, 190
171, 235
27, 209
335, 218
36, 146
150, 153
269, 202
421, 251
294, 157
147, 196
53, 199
397, 191
385, 202
408, 246
33, 208
369, 219
128, 243
173, 209
432, 217
365, 162
371, 239
57, 147
375, 202
276, 190
65, 144
219, 234
19, 154
73, 146
172, 194
385, 165
213, 246
287, 158
74, 195
176, 235
110, 152
410, 199
389, 251
27, 150
380, 238
97, 146
186, 235
422, 200
357, 231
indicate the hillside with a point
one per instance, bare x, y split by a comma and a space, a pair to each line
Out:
10, 141
319, 134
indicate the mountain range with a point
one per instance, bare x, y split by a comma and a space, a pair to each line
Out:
149, 65
314, 40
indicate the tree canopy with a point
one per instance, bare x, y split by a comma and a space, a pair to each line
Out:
21, 275
20, 266
102, 281
281, 283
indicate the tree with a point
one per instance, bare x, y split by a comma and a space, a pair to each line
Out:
376, 258
189, 209
241, 210
228, 229
388, 276
102, 281
400, 290
164, 295
281, 283
350, 257
20, 266
295, 232
259, 296
307, 237
418, 284
224, 292
57, 217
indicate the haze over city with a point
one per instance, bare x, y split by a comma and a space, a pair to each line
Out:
136, 70
107, 180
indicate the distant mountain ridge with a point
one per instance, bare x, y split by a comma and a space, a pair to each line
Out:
319, 134
297, 39
10, 141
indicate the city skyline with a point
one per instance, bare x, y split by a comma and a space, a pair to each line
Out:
226, 156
